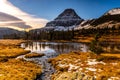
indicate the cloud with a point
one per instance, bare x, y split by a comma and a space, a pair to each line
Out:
15, 24
7, 20
7, 7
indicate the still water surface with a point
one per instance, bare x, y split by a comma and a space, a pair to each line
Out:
51, 49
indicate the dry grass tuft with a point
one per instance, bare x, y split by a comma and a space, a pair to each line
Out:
34, 55
19, 69
111, 55
11, 52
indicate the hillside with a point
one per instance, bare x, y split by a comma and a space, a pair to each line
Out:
7, 32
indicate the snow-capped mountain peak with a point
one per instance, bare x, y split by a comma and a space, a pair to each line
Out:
66, 19
114, 11
68, 14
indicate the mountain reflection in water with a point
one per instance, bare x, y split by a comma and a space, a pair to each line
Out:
53, 47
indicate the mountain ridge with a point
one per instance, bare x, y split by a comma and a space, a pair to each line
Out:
4, 31
62, 21
67, 18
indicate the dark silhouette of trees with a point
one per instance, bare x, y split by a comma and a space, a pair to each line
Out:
51, 35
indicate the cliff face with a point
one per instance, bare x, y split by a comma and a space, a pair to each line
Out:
67, 18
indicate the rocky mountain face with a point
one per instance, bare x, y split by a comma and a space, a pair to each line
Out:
66, 19
109, 19
69, 19
86, 24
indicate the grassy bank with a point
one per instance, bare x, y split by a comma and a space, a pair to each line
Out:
10, 48
34, 55
101, 67
12, 52
12, 42
16, 69
103, 38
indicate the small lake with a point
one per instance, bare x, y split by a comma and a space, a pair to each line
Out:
51, 49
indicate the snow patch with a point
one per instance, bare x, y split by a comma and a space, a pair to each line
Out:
94, 62
91, 69
114, 11
71, 67
114, 64
62, 28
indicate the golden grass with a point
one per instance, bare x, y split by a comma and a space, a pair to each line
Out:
85, 39
16, 69
33, 55
109, 67
12, 52
110, 38
103, 38
10, 42
111, 55
67, 59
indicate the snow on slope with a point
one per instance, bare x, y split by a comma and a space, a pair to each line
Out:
114, 11
68, 18
62, 28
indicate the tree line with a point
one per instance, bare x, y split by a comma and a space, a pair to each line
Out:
62, 35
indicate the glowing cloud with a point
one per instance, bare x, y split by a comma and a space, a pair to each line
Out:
7, 7
7, 20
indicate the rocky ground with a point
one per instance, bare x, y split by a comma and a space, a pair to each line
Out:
85, 66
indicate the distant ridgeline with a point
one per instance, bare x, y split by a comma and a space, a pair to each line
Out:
9, 20
68, 25
8, 33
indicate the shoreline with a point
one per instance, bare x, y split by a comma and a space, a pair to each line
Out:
20, 68
62, 70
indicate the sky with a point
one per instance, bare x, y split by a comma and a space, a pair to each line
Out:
36, 13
